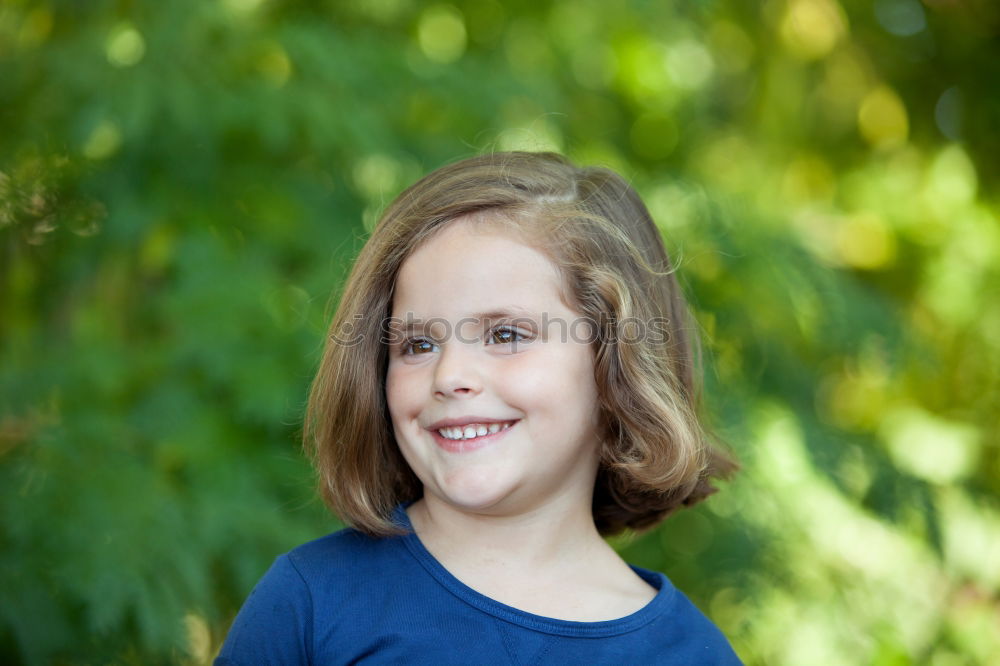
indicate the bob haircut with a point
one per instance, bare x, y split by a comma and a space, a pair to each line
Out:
655, 455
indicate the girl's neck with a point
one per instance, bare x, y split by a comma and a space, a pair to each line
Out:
551, 562
541, 538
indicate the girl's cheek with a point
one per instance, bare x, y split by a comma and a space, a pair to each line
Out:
401, 384
409, 383
529, 376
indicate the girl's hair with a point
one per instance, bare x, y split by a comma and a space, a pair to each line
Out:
655, 454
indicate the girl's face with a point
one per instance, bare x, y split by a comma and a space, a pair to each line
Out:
490, 384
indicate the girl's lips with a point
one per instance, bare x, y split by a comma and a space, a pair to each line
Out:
467, 445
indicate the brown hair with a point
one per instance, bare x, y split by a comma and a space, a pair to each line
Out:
655, 454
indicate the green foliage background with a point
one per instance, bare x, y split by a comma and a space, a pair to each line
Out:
183, 185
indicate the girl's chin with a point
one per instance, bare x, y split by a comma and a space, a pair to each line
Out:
474, 491
475, 501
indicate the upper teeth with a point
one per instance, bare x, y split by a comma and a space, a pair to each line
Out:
473, 430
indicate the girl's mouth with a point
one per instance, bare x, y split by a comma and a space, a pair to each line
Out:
459, 439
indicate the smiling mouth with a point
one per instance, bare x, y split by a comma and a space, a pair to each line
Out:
473, 431
471, 436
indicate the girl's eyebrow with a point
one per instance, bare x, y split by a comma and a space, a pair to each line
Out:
507, 312
411, 323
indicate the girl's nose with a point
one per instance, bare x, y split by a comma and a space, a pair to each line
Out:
457, 373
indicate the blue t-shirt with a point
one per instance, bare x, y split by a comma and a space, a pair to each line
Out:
349, 598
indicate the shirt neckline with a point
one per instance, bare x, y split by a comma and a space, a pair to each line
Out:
656, 606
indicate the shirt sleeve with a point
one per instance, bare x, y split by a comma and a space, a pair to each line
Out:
275, 624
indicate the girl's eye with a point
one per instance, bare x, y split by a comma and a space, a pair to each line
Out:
418, 346
504, 335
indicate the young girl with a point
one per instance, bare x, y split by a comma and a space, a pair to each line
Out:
508, 379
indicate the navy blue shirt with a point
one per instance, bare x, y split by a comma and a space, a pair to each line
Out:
349, 598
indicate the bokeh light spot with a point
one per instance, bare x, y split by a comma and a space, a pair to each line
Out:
199, 638
377, 176
901, 17
882, 118
103, 142
948, 113
952, 180
643, 68
274, 64
441, 34
930, 447
125, 46
158, 249
865, 241
956, 281
855, 397
689, 64
807, 179
811, 28
672, 207
971, 536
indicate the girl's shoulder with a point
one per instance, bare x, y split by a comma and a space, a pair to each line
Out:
345, 557
310, 591
341, 545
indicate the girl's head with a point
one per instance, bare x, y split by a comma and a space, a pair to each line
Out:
518, 289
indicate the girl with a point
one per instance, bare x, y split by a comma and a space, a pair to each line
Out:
508, 379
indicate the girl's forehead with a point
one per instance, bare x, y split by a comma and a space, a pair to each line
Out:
483, 235
485, 265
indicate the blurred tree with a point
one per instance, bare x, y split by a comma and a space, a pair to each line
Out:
183, 184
